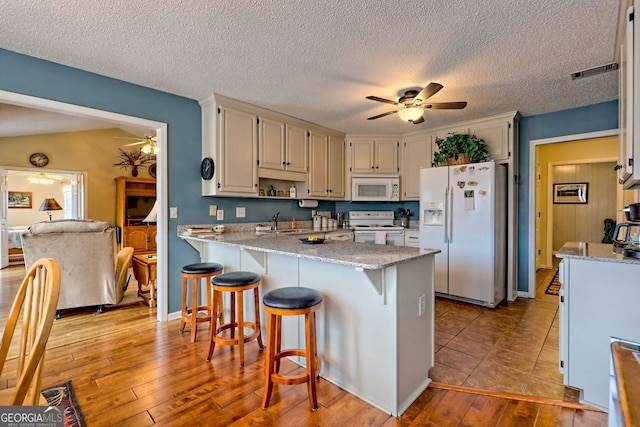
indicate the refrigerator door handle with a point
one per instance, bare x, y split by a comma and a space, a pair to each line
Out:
450, 215
445, 237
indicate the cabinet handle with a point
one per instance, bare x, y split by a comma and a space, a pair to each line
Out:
376, 167
284, 163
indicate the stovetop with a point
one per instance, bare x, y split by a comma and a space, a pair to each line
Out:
373, 221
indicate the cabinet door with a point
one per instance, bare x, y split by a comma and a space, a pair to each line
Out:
152, 235
386, 156
297, 149
318, 175
336, 167
238, 143
416, 154
271, 151
496, 136
362, 157
136, 237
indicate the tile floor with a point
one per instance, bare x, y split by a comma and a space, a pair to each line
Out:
512, 348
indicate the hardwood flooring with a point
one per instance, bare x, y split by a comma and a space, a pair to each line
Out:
128, 369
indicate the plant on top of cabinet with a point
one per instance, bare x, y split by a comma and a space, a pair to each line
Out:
460, 148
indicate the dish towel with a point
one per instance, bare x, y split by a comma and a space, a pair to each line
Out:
381, 238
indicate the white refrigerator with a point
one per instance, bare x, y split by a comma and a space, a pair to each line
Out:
463, 213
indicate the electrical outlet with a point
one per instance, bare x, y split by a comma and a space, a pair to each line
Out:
240, 212
173, 212
220, 215
213, 210
422, 304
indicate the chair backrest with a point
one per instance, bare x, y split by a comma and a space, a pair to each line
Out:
35, 304
123, 261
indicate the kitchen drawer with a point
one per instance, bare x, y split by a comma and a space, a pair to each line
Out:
412, 238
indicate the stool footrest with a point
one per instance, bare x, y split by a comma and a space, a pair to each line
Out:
231, 328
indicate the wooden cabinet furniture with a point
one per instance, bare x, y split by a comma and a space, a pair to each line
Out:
416, 153
370, 156
134, 200
326, 175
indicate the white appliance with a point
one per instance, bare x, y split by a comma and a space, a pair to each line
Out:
376, 227
463, 213
375, 188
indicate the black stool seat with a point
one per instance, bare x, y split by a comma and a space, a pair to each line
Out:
291, 298
236, 278
202, 268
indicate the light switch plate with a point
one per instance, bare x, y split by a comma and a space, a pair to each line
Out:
213, 210
220, 215
173, 212
241, 212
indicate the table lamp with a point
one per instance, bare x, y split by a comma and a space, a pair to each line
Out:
48, 205
153, 214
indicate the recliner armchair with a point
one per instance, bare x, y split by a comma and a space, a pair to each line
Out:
91, 273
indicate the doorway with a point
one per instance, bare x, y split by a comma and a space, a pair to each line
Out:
160, 131
538, 191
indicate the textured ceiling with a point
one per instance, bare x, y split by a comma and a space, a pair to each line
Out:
317, 60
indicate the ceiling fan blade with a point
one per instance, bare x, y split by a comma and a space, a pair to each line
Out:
135, 143
418, 121
376, 98
382, 115
428, 91
445, 106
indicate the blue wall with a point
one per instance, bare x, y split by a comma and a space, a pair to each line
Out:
43, 79
592, 118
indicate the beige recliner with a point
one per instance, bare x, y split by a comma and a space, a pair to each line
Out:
91, 273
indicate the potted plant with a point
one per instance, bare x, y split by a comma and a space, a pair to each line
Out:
460, 148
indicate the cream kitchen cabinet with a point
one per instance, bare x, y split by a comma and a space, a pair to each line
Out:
416, 153
326, 175
374, 156
230, 137
282, 147
496, 135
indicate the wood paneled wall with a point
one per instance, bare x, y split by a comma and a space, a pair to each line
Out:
585, 222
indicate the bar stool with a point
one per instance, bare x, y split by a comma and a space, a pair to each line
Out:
235, 282
291, 301
193, 314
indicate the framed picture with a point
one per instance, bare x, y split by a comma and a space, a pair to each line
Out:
20, 199
570, 192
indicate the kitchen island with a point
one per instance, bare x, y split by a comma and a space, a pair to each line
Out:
375, 329
598, 304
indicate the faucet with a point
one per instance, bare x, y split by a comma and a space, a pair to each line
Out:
275, 221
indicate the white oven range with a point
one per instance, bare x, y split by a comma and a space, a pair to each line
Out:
376, 227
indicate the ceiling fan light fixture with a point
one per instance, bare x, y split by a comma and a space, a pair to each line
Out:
410, 114
150, 148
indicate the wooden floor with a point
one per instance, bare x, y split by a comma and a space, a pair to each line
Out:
127, 369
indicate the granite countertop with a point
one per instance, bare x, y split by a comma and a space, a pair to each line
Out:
359, 255
595, 251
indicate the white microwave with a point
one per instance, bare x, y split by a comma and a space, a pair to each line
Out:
375, 188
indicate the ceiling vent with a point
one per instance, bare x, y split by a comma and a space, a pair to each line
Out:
595, 70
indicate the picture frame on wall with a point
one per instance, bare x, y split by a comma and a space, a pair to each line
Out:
19, 199
571, 193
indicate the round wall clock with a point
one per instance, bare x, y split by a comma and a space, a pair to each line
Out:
207, 168
152, 170
39, 159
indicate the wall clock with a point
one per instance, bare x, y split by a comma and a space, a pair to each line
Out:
207, 168
39, 159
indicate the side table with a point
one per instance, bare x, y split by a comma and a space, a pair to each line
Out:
144, 270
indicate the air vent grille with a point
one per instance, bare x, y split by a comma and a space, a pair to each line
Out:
595, 70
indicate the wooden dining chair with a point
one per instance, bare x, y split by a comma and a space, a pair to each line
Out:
35, 305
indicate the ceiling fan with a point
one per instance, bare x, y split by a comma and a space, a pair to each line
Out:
150, 147
412, 104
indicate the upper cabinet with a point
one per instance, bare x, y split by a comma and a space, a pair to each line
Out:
230, 138
416, 153
326, 171
250, 145
627, 52
374, 156
283, 147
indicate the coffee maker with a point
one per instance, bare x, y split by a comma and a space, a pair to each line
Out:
627, 234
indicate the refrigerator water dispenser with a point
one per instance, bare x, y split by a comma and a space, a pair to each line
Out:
433, 213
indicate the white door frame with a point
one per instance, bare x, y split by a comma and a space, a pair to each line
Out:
161, 178
531, 292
